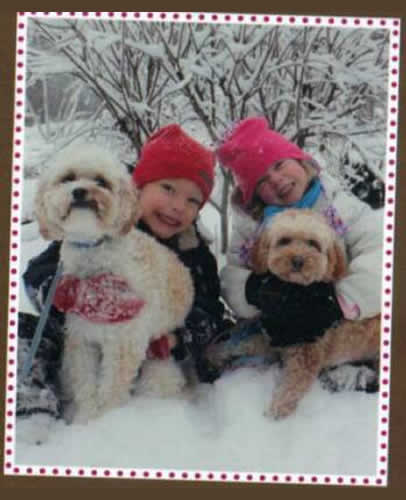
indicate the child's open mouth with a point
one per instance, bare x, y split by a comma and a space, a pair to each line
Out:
286, 190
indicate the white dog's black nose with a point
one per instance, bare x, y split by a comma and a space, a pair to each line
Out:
79, 194
297, 263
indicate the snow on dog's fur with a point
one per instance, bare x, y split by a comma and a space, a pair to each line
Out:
87, 200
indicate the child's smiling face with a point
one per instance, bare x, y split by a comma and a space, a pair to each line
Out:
169, 206
283, 184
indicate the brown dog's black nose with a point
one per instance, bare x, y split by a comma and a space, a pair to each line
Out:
79, 194
297, 263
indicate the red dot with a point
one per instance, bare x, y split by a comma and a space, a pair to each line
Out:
236, 477
107, 473
266, 19
223, 476
198, 475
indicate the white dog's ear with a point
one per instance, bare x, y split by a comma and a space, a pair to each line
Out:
337, 262
48, 229
259, 254
130, 209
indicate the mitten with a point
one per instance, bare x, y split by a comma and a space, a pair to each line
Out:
104, 298
293, 313
263, 290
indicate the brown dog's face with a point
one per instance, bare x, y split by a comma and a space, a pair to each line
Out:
85, 196
299, 247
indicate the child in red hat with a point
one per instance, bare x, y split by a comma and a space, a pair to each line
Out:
273, 174
175, 176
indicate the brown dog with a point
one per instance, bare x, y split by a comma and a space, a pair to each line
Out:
299, 246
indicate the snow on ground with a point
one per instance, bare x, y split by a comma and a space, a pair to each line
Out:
218, 427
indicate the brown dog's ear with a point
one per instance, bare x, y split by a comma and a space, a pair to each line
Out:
337, 262
259, 254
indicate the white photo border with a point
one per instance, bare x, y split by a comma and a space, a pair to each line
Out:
381, 476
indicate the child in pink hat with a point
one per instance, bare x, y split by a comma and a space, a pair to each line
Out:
272, 174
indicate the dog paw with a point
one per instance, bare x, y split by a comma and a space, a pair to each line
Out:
280, 410
160, 378
35, 429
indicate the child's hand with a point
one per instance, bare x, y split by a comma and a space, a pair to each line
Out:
161, 348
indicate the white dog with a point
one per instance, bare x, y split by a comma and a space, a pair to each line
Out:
88, 200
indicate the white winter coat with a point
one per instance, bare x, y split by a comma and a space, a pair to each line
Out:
363, 237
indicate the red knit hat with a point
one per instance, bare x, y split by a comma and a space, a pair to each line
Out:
251, 149
171, 153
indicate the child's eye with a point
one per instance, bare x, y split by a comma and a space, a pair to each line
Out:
315, 244
195, 201
167, 187
284, 241
68, 178
101, 181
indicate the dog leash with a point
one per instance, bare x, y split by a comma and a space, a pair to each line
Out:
36, 339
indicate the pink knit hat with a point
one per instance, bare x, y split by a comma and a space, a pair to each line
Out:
171, 153
249, 151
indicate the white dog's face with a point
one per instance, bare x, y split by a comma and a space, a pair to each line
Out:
85, 195
300, 247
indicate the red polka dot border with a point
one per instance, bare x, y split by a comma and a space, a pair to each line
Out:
380, 478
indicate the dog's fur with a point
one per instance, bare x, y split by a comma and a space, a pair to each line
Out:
299, 246
100, 361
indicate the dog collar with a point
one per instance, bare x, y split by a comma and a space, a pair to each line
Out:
90, 244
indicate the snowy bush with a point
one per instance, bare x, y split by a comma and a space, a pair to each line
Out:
324, 88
